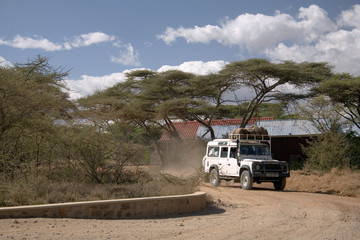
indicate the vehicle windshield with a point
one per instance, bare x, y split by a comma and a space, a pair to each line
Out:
255, 150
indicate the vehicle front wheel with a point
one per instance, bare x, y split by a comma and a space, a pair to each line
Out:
246, 180
214, 178
279, 186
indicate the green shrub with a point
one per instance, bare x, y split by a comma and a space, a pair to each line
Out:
327, 152
354, 141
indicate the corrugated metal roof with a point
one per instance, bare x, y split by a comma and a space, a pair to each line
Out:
222, 128
290, 127
274, 127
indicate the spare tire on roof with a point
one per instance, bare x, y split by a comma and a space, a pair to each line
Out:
257, 130
239, 131
250, 133
264, 131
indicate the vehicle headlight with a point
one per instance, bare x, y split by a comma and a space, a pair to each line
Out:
256, 166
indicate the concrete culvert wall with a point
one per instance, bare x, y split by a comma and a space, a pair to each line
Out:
113, 209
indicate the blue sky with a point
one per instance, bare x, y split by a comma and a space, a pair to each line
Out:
100, 40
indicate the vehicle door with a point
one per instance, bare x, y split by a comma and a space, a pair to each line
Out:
232, 166
224, 152
213, 158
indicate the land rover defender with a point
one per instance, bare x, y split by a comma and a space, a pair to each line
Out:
244, 157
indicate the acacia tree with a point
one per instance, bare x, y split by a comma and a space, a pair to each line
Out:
118, 108
166, 94
209, 91
265, 79
152, 97
148, 99
344, 89
322, 114
31, 99
180, 95
337, 103
330, 149
142, 101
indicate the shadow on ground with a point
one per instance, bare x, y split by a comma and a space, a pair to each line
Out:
210, 209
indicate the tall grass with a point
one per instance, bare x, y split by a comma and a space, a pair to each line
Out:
340, 182
42, 190
163, 184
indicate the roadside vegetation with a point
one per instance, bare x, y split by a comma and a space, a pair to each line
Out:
145, 183
53, 149
337, 182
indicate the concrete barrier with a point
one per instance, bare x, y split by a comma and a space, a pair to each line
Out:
112, 209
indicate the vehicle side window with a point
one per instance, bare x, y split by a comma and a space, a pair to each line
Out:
213, 151
233, 152
224, 152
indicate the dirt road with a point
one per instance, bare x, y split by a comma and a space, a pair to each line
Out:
261, 213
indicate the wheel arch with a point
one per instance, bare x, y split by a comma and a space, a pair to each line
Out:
243, 168
214, 166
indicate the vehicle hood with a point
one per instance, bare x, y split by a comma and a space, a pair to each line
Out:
266, 160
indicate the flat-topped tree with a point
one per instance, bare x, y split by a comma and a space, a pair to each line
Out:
344, 89
265, 78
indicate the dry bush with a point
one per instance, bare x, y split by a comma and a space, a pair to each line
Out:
42, 190
162, 184
339, 182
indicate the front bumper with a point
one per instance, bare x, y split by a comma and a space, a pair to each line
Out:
270, 175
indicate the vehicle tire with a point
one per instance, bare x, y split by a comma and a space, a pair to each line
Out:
214, 177
246, 180
279, 186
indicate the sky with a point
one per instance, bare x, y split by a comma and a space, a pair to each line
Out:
100, 40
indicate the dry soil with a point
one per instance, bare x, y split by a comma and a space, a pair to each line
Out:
261, 213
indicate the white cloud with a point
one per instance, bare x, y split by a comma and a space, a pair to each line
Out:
4, 63
83, 40
89, 84
340, 48
256, 32
196, 67
88, 39
350, 17
311, 36
313, 23
27, 42
128, 56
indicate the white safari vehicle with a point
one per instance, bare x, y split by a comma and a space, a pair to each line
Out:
245, 157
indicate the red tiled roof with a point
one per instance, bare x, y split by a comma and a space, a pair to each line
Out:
187, 130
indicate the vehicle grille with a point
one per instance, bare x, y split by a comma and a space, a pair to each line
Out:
272, 167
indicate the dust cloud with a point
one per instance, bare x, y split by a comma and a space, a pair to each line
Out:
183, 158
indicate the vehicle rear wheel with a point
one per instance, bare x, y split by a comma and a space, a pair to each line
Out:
279, 186
246, 180
214, 177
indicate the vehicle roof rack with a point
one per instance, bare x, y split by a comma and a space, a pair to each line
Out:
249, 137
